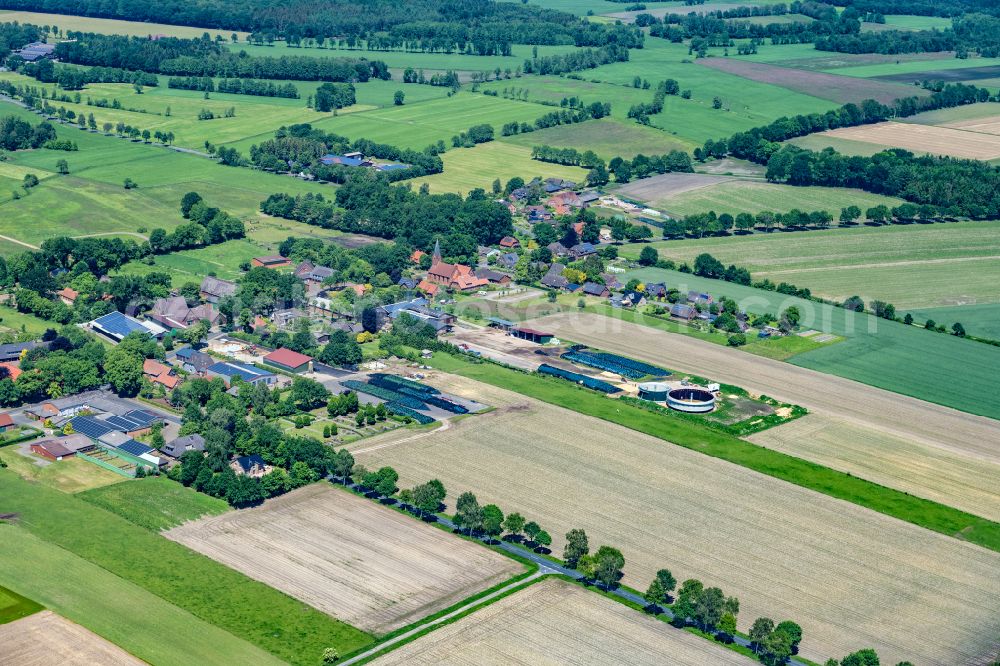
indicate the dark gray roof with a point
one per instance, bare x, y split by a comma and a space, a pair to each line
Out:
177, 447
246, 463
216, 287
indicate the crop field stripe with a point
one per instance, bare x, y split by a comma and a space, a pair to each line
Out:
925, 513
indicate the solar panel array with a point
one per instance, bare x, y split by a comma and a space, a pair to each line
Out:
119, 324
426, 394
134, 447
89, 426
137, 419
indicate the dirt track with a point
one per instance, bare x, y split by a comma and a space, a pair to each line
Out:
911, 419
46, 639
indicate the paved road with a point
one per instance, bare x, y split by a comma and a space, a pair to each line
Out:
545, 567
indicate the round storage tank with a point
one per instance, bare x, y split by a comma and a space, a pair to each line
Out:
688, 399
654, 391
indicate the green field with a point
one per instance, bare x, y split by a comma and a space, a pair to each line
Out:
607, 138
981, 319
12, 320
846, 146
70, 475
13, 606
915, 66
955, 114
469, 168
911, 266
699, 437
124, 613
753, 197
134, 556
109, 26
155, 503
909, 22
222, 260
888, 355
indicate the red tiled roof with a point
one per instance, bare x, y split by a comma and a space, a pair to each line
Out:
14, 371
428, 287
6, 421
417, 256
287, 358
67, 293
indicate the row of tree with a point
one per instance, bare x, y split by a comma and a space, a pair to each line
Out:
592, 111
576, 61
75, 78
234, 86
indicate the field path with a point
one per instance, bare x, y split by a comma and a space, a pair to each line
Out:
912, 419
14, 240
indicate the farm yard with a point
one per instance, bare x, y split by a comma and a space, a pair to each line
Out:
365, 564
46, 638
912, 463
570, 476
873, 262
561, 623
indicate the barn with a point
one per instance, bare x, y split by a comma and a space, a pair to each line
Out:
288, 360
531, 335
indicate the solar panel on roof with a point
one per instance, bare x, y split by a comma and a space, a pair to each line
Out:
89, 426
143, 416
123, 423
134, 447
119, 324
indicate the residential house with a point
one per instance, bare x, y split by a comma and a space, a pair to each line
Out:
161, 374
252, 466
59, 407
303, 269
536, 214
270, 261
520, 194
554, 278
564, 200
13, 371
611, 281
594, 289
287, 317
581, 250
193, 361
657, 290
175, 448
13, 351
493, 277
427, 287
558, 249
214, 290
6, 422
68, 296
509, 242
629, 299
699, 298
417, 256
487, 252
508, 260
551, 185
407, 283
587, 198
175, 314
682, 311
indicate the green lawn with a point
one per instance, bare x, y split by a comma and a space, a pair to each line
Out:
13, 321
982, 320
222, 260
13, 606
124, 613
155, 503
738, 196
469, 168
698, 437
246, 609
607, 138
889, 355
910, 266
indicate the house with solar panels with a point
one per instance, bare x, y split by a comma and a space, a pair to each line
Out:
114, 437
115, 326
229, 371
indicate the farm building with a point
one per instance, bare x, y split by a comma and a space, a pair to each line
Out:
174, 313
531, 335
493, 277
6, 422
116, 326
213, 289
270, 261
51, 449
175, 448
419, 309
509, 242
12, 351
35, 51
682, 311
230, 370
289, 361
193, 361
594, 289
342, 160
502, 324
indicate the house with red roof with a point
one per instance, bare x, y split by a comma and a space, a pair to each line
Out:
67, 295
509, 242
289, 361
161, 374
6, 422
453, 276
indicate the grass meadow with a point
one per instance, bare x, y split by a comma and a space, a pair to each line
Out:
911, 266
221, 260
608, 138
13, 606
136, 557
880, 353
469, 168
110, 26
156, 503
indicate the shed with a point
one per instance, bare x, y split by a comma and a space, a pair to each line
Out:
289, 360
531, 335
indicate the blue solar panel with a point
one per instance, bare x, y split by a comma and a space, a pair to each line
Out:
134, 447
89, 426
119, 324
246, 372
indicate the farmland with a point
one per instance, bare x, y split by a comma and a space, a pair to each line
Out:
873, 262
469, 168
45, 638
13, 606
724, 195
924, 139
221, 597
981, 319
365, 564
155, 503
884, 354
68, 23
944, 474
607, 138
569, 477
558, 619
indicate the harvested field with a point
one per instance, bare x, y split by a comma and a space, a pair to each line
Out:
363, 563
836, 88
45, 639
989, 125
563, 624
668, 184
849, 576
964, 482
924, 139
908, 418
